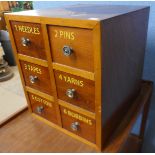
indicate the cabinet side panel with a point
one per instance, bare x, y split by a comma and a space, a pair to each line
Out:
123, 49
16, 58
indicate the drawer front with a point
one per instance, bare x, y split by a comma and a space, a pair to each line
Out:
36, 77
78, 124
29, 39
43, 107
75, 90
72, 47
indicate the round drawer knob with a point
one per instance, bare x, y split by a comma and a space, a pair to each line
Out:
70, 93
25, 41
33, 79
75, 126
67, 51
40, 109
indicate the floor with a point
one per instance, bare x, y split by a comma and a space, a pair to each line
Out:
12, 98
27, 134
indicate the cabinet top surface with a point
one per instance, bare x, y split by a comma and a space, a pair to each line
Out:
85, 12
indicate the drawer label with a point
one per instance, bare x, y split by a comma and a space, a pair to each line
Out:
27, 29
78, 116
71, 80
64, 34
40, 100
32, 68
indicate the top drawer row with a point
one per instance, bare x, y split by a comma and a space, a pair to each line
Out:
69, 46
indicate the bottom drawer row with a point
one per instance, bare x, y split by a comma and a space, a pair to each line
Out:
72, 121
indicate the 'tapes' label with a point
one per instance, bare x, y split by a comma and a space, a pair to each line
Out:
32, 68
78, 116
71, 80
64, 34
27, 29
40, 100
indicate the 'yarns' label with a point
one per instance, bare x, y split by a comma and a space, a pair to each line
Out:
71, 80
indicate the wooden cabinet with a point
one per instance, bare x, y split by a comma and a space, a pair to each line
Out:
81, 65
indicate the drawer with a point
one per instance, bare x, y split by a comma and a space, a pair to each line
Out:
29, 39
75, 90
78, 124
36, 77
43, 107
72, 47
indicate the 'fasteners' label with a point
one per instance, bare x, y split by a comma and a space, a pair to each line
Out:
27, 29
40, 100
32, 68
78, 116
64, 34
71, 80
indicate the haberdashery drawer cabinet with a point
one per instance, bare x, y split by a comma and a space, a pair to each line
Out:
80, 66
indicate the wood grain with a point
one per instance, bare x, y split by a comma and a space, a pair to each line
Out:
97, 39
33, 60
83, 91
36, 47
107, 50
77, 109
132, 145
37, 92
52, 79
82, 56
123, 130
43, 83
27, 134
2, 23
17, 61
49, 111
122, 65
74, 71
85, 130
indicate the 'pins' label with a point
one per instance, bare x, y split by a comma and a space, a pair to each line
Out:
71, 80
64, 34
